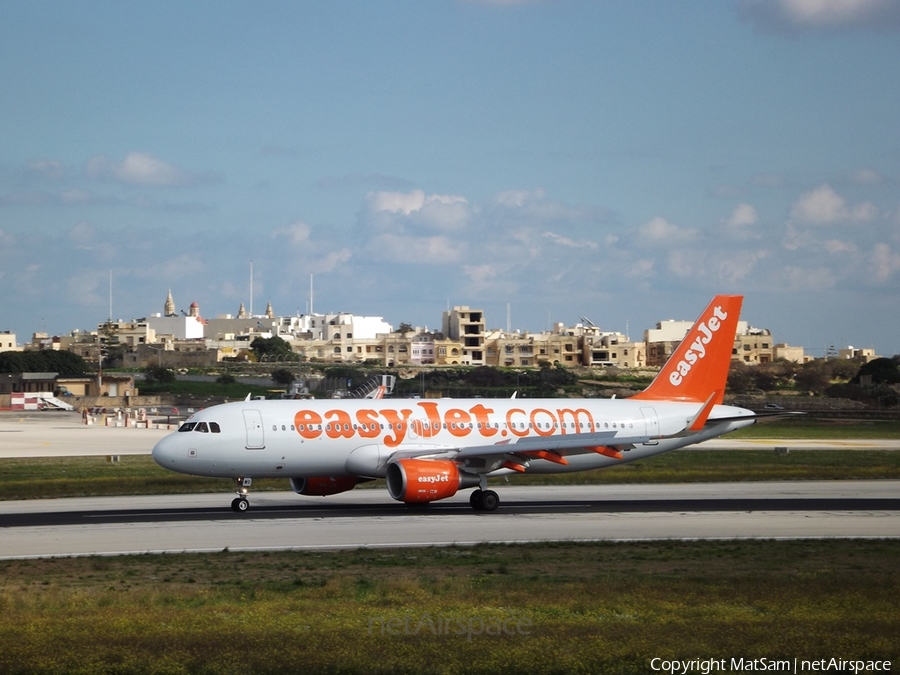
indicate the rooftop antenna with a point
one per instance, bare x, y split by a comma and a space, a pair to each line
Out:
508, 328
251, 288
110, 296
310, 293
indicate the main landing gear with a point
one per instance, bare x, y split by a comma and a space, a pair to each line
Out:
240, 503
484, 500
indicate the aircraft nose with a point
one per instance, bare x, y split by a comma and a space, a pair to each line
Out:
165, 452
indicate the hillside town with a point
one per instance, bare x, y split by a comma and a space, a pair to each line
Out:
182, 339
185, 339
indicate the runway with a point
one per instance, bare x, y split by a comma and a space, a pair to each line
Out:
369, 518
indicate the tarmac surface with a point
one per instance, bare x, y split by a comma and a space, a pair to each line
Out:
369, 518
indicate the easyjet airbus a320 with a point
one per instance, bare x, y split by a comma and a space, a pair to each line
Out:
430, 449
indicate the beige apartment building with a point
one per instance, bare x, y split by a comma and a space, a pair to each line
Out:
466, 326
754, 346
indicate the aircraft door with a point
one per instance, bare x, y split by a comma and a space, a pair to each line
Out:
651, 422
253, 423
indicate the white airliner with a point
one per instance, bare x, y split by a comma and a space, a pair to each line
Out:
430, 449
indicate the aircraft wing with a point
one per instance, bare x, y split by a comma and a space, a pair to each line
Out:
755, 416
554, 448
564, 442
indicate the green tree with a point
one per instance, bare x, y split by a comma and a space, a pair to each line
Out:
813, 377
282, 376
158, 374
878, 371
404, 328
65, 364
740, 378
270, 348
111, 350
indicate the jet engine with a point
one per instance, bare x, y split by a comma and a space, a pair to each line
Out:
418, 481
321, 486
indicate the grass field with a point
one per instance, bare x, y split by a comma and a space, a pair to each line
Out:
552, 608
801, 427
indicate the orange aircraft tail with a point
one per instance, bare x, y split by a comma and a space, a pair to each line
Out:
698, 369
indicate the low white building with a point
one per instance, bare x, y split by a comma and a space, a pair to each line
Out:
8, 342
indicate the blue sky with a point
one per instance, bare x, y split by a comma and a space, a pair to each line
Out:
619, 160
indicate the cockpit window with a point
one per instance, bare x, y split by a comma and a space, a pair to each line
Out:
202, 427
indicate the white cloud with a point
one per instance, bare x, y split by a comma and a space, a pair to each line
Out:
50, 169
838, 246
715, 267
396, 202
139, 169
738, 266
411, 250
444, 213
660, 232
437, 212
642, 269
739, 223
331, 260
866, 177
686, 263
297, 233
315, 254
885, 262
823, 206
792, 16
808, 279
571, 243
518, 198
743, 215
480, 274
795, 239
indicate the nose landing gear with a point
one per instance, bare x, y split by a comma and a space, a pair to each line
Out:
240, 503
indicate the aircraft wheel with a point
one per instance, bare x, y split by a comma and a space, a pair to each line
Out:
490, 500
240, 504
475, 500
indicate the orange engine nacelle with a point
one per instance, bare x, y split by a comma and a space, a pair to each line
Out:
322, 486
417, 481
